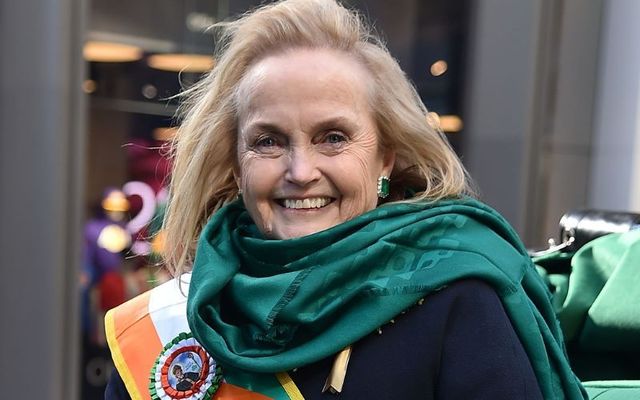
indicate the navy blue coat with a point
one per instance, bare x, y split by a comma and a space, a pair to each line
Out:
459, 344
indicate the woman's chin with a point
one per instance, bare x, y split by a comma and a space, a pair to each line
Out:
283, 233
287, 230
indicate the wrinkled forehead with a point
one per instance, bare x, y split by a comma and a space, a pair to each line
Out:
303, 68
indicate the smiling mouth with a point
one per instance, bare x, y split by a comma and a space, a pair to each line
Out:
305, 204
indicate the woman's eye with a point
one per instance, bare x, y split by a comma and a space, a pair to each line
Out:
335, 138
266, 142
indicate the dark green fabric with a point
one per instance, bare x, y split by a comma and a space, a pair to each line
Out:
600, 309
613, 390
271, 305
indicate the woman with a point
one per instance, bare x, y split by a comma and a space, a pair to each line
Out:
353, 262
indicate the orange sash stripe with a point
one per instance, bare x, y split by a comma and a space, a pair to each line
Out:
135, 347
228, 391
133, 318
135, 352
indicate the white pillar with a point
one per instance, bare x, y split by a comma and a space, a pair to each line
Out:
499, 109
529, 108
615, 167
41, 180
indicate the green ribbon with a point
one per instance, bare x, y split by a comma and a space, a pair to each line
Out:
263, 305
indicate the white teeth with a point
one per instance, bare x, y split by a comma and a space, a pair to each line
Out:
307, 203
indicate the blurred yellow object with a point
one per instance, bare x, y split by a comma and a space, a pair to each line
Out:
164, 134
115, 201
448, 123
114, 238
439, 67
451, 123
175, 62
158, 243
111, 52
89, 86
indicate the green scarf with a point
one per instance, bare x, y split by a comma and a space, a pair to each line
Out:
264, 306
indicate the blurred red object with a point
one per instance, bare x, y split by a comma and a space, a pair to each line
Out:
112, 290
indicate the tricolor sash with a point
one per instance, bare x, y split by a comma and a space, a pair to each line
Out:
158, 358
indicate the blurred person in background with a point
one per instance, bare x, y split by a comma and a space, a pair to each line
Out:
325, 240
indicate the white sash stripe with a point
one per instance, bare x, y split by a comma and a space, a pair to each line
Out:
168, 308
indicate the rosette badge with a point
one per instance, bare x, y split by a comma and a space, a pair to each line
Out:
184, 370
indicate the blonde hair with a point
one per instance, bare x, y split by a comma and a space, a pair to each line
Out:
205, 147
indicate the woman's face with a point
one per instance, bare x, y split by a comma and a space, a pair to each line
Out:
308, 151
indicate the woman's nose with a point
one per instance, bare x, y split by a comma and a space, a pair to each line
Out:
302, 168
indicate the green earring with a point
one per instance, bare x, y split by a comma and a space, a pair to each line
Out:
383, 186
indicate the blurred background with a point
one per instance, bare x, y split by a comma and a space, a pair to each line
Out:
540, 98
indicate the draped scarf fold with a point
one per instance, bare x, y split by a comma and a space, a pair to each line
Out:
263, 305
